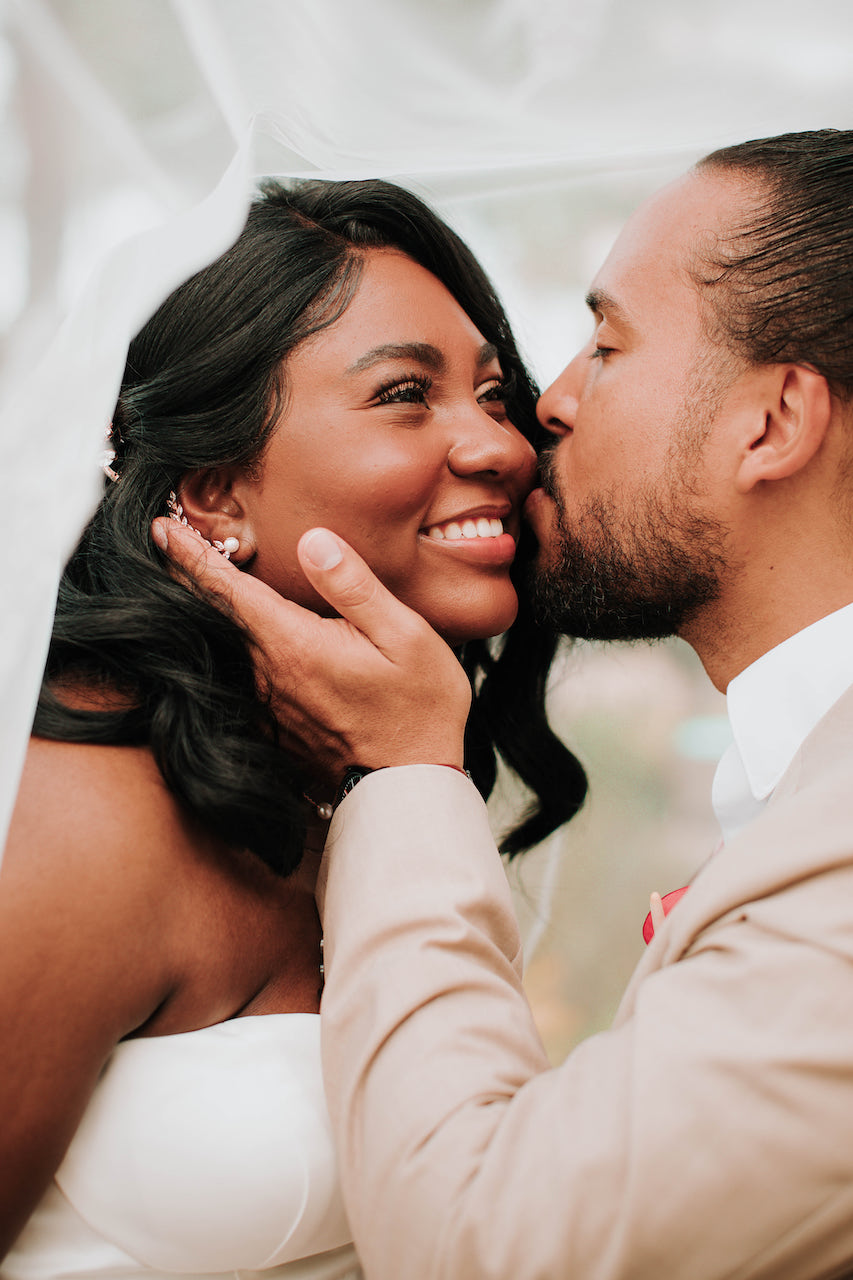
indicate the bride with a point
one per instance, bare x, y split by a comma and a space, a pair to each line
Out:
345, 363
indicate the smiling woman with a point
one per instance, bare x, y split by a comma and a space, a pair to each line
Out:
345, 363
405, 448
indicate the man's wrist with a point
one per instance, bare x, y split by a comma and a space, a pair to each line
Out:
355, 772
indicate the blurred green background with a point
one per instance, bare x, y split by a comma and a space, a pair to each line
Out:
649, 728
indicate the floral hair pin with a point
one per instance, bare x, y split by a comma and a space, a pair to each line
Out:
108, 455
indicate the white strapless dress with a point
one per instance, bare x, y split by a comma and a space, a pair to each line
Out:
200, 1154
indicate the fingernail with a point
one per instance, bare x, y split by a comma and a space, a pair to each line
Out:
159, 536
322, 549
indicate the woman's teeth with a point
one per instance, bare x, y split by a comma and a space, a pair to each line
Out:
453, 532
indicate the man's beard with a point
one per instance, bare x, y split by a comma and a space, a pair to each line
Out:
638, 569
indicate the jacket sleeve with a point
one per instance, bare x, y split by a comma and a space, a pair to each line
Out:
710, 1134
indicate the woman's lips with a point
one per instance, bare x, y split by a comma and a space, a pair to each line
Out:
478, 538
466, 529
494, 550
479, 535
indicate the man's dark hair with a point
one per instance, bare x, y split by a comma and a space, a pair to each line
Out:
780, 284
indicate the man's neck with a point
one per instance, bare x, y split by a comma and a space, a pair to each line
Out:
727, 642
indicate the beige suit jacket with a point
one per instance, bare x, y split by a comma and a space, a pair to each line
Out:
709, 1133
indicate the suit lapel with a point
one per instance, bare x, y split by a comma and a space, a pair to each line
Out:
806, 827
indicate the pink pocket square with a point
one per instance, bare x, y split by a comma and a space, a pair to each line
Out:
661, 907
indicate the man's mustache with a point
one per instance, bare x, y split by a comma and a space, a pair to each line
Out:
547, 474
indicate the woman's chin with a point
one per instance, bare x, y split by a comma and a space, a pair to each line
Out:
476, 625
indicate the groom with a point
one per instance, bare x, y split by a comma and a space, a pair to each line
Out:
700, 483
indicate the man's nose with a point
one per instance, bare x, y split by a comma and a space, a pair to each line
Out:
558, 403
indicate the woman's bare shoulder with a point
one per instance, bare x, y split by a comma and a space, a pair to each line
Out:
89, 943
104, 807
96, 853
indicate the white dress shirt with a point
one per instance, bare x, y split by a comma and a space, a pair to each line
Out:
773, 705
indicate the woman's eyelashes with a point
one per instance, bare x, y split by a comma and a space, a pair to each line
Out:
497, 391
414, 388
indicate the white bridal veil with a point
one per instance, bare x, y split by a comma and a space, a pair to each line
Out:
132, 130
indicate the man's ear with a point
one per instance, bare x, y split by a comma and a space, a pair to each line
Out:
790, 425
213, 503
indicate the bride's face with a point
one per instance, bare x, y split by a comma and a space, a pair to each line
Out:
395, 434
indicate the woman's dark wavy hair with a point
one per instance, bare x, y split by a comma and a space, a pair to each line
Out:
203, 386
779, 284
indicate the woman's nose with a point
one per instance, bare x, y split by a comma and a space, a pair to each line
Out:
495, 448
558, 404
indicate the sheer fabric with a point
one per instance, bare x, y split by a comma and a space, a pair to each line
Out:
132, 133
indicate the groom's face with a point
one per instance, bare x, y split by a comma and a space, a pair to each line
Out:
632, 515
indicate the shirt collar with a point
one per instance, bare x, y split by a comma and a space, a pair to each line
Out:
773, 705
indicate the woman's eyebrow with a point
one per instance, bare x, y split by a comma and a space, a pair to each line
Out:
487, 353
423, 353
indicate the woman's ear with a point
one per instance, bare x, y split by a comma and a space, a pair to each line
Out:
789, 430
212, 502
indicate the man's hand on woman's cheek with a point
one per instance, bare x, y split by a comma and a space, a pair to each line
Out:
375, 686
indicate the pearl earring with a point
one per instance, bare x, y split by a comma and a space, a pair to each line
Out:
176, 512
